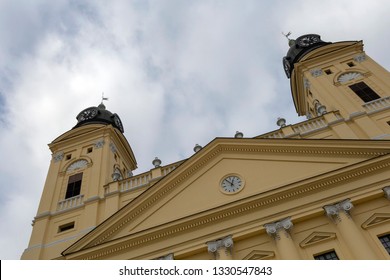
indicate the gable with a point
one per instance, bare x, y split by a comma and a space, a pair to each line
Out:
273, 170
260, 173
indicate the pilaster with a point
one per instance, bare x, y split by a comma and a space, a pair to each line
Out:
222, 249
280, 232
339, 213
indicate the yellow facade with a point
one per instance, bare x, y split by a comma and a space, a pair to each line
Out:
317, 188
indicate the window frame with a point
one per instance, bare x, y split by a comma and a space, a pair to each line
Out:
385, 243
74, 185
364, 92
327, 253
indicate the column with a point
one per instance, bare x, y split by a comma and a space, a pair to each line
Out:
280, 231
339, 213
222, 249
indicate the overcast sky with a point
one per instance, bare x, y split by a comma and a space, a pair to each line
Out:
177, 72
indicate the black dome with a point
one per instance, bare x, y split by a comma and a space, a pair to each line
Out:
298, 48
98, 115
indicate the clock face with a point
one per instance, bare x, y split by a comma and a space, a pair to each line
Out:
286, 66
308, 40
118, 122
87, 114
231, 184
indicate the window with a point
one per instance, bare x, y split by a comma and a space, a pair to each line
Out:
65, 227
89, 150
385, 240
328, 71
351, 64
74, 185
364, 92
68, 157
331, 255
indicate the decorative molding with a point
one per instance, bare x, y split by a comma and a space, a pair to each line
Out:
306, 83
58, 156
317, 237
273, 229
360, 57
77, 165
116, 175
346, 77
224, 243
260, 255
316, 72
386, 190
113, 147
376, 219
332, 211
99, 144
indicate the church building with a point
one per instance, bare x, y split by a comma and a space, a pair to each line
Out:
318, 189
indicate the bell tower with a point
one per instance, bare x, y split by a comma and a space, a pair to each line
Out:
84, 159
339, 77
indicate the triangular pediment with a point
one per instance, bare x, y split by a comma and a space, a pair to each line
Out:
317, 237
272, 170
376, 219
260, 255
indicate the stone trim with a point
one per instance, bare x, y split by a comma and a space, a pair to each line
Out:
273, 229
226, 242
333, 211
386, 190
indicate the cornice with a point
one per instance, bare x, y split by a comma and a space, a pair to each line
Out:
188, 224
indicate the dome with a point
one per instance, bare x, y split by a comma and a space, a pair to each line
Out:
98, 115
298, 48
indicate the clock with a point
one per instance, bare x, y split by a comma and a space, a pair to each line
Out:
118, 122
87, 114
286, 66
231, 184
308, 40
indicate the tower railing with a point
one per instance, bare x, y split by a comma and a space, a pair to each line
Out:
377, 105
299, 128
145, 178
310, 125
71, 202
136, 181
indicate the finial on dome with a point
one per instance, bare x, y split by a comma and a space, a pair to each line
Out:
290, 41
